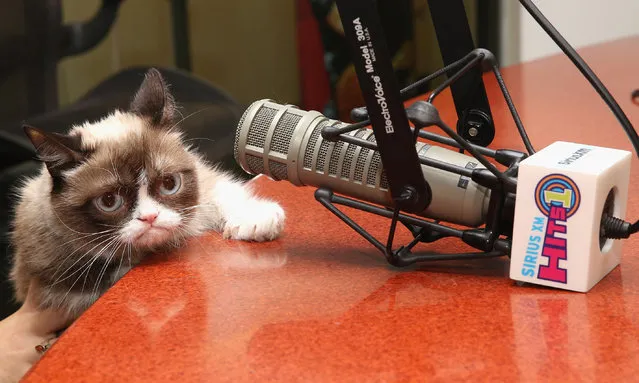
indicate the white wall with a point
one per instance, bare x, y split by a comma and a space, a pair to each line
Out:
581, 22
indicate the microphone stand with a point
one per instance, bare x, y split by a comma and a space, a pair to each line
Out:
395, 140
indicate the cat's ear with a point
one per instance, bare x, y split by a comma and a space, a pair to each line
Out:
154, 100
58, 151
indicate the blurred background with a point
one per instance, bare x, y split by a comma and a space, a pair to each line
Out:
250, 48
65, 61
261, 49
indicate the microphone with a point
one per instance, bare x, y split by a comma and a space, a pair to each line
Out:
286, 143
561, 227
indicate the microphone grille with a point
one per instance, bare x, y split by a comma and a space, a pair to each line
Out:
260, 126
310, 149
255, 164
256, 135
321, 156
256, 125
268, 131
350, 154
283, 133
360, 165
236, 144
332, 164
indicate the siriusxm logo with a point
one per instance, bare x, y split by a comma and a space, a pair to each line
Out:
557, 197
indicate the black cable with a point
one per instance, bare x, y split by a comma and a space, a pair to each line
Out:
585, 70
437, 73
451, 79
513, 111
589, 75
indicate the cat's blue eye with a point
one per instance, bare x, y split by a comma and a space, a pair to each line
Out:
109, 202
170, 184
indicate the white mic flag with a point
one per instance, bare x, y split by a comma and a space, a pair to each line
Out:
562, 193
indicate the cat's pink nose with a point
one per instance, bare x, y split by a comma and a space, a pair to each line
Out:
148, 218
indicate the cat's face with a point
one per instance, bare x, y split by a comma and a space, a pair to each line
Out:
127, 180
142, 182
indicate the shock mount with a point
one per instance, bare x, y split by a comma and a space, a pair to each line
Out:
492, 240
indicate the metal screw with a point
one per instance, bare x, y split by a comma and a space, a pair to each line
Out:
473, 132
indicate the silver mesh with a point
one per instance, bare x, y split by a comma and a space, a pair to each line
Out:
255, 164
350, 154
321, 156
359, 165
332, 165
361, 158
383, 183
259, 127
372, 170
278, 170
281, 140
237, 134
348, 161
310, 148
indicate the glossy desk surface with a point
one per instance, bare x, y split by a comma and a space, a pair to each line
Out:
321, 304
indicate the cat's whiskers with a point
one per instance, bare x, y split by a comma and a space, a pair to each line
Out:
117, 272
187, 208
170, 129
86, 268
65, 225
178, 239
90, 264
211, 206
59, 280
130, 251
178, 111
83, 237
100, 237
186, 232
199, 242
126, 253
106, 266
105, 169
117, 175
199, 138
114, 226
109, 257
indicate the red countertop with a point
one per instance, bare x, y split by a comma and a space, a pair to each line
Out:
321, 304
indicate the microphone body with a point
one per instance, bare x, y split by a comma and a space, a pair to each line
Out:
285, 143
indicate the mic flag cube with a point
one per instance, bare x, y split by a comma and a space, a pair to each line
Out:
562, 193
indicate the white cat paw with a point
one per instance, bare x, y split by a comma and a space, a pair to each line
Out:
257, 221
